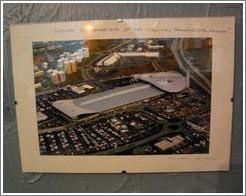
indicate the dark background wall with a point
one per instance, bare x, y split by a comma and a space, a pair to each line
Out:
16, 181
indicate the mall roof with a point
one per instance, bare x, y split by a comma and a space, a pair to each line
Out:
106, 100
167, 81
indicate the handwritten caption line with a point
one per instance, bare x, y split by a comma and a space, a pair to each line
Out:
140, 29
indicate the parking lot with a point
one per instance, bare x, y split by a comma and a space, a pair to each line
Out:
121, 129
124, 131
183, 105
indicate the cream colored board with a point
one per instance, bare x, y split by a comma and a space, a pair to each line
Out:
220, 29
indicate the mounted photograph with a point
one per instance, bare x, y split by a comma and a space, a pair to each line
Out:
123, 96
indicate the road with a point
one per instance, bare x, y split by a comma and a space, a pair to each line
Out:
85, 72
53, 129
86, 75
156, 66
119, 45
193, 68
186, 66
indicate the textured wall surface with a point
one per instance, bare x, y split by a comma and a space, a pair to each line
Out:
16, 181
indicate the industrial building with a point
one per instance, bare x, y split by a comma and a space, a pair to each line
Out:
113, 58
81, 89
155, 47
140, 54
109, 60
169, 143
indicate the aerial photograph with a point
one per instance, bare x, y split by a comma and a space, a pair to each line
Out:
123, 96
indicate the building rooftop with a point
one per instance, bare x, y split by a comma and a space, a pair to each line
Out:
169, 143
112, 58
106, 100
41, 116
167, 81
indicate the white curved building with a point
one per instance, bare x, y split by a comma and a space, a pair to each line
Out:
167, 81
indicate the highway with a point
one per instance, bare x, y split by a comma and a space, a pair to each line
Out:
193, 68
186, 66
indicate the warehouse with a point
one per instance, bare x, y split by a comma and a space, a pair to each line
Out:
113, 58
109, 60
